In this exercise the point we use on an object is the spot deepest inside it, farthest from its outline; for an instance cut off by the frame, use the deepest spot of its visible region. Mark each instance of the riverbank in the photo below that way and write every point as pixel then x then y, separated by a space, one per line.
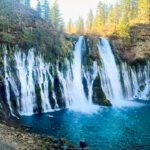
pixel 18 139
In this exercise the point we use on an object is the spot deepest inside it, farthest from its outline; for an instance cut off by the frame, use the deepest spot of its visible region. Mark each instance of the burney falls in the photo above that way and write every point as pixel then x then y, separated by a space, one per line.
pixel 74 75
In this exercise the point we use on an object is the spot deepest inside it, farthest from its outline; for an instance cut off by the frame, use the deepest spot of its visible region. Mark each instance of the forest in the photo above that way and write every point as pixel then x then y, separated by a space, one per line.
pixel 106 20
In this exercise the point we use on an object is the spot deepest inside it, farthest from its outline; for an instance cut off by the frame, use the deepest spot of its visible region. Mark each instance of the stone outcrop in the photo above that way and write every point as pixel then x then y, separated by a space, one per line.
pixel 137 47
pixel 98 94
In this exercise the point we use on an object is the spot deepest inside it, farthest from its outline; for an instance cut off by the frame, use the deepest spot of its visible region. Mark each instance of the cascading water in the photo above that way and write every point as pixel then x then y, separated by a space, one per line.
pixel 110 73
pixel 32 81
pixel 78 95
pixel 124 82
pixel 136 81
pixel 79 100
pixel 30 72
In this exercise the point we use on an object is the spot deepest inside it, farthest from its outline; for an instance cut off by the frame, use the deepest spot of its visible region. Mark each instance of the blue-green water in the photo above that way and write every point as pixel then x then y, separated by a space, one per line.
pixel 125 128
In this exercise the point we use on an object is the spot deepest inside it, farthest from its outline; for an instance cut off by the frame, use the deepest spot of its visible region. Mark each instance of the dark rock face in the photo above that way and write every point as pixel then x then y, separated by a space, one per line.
pixel 85 86
pixel 5 114
pixel 4 110
pixel 58 92
pixel 98 94
pixel 92 53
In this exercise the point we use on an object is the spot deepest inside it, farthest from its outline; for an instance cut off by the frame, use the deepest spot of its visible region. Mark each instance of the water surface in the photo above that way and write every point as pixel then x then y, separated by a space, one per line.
pixel 108 129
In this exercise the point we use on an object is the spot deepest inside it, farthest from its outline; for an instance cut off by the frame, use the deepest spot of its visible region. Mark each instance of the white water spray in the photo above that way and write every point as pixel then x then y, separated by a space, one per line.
pixel 111 72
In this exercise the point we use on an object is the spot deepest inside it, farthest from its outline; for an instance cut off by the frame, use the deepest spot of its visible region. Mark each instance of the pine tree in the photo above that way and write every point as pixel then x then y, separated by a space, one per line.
pixel 38 8
pixel 70 26
pixel 80 26
pixel 46 10
pixel 89 22
pixel 56 18
pixel 113 19
pixel 123 26
pixel 143 11
pixel 27 3
pixel 100 19
pixel 134 8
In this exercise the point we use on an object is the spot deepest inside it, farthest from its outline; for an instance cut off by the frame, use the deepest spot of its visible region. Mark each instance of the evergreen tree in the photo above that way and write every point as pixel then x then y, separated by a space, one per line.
pixel 113 19
pixel 123 26
pixel 56 18
pixel 46 10
pixel 38 8
pixel 80 26
pixel 134 8
pixel 100 19
pixel 89 22
pixel 70 26
pixel 27 3
pixel 143 11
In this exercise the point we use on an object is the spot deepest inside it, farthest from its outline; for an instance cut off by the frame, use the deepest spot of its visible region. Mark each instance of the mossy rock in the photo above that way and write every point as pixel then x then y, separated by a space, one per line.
pixel 92 53
pixel 98 94
pixel 142 88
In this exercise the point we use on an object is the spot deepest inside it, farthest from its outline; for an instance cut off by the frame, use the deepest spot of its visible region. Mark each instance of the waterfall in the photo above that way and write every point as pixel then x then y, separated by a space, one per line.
pixel 110 73
pixel 79 100
pixel 30 72
pixel 122 82
pixel 25 76
pixel 78 95
pixel 136 81
pixel 30 82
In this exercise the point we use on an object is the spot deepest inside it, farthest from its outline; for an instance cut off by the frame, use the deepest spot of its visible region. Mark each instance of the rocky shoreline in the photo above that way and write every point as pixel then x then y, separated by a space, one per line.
pixel 19 139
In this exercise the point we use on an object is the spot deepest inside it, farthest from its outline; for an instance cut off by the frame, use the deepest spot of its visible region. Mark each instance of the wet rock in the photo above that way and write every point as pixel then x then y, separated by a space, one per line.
pixel 98 94
pixel 83 144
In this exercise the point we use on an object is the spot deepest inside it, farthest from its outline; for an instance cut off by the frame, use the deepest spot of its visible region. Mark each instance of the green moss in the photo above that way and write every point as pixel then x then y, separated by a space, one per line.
pixel 98 94
pixel 6 37
pixel 142 87
pixel 92 53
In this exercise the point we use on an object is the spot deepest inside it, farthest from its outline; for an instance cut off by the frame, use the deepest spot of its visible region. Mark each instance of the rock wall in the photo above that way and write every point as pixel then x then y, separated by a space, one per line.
pixel 137 47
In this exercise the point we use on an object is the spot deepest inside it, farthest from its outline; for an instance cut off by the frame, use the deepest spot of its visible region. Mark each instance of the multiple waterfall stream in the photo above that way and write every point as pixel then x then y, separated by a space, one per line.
pixel 32 84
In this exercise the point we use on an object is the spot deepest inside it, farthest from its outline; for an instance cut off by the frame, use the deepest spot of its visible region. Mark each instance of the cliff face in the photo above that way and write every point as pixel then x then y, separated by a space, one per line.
pixel 21 28
pixel 137 48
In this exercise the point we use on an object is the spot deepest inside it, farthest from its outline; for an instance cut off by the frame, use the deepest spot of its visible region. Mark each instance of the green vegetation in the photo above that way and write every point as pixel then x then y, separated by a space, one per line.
pixel 6 37
pixel 25 28
pixel 92 53
pixel 89 22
